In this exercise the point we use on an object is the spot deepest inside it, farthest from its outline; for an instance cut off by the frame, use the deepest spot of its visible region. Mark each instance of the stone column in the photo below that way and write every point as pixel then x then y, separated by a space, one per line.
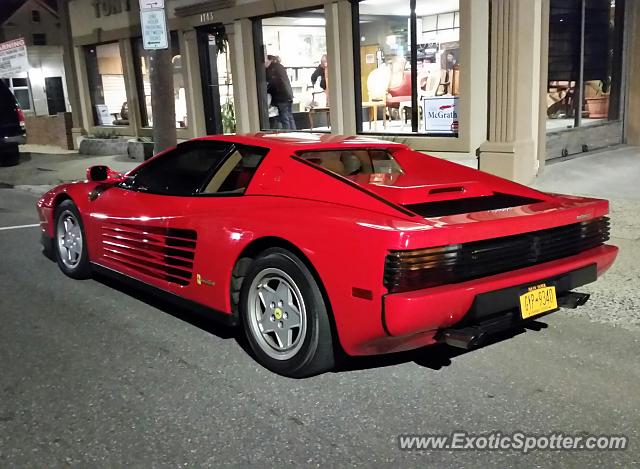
pixel 134 101
pixel 191 69
pixel 514 90
pixel 70 71
pixel 633 110
pixel 340 80
pixel 243 68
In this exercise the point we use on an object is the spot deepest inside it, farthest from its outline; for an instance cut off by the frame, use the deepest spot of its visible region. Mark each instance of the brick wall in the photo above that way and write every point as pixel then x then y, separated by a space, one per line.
pixel 50 130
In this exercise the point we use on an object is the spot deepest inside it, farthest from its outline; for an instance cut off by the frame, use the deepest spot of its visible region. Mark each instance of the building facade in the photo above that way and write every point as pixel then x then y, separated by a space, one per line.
pixel 505 84
pixel 40 89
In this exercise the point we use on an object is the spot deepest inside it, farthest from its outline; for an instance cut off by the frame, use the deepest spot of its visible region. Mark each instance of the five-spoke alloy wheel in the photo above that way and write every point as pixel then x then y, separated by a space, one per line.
pixel 277 313
pixel 69 241
pixel 285 317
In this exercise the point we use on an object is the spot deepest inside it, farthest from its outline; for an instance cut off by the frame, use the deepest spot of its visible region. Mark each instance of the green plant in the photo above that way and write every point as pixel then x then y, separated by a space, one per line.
pixel 228 117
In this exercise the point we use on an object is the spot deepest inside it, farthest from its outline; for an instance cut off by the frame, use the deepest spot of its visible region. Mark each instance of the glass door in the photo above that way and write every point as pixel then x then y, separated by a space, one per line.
pixel 584 82
pixel 216 78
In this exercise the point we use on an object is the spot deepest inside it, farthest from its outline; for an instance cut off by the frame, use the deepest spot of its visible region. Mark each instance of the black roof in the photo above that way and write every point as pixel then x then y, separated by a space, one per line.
pixel 8 7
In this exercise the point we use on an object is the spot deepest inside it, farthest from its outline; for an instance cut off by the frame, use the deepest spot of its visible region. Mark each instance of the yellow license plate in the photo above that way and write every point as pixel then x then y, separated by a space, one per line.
pixel 539 299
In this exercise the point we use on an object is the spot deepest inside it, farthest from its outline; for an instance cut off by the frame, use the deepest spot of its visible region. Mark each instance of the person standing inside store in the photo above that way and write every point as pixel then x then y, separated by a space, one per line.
pixel 279 87
pixel 320 72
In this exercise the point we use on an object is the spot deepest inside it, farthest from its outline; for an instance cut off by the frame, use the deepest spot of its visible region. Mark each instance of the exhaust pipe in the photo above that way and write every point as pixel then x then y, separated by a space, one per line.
pixel 474 336
pixel 467 338
pixel 572 299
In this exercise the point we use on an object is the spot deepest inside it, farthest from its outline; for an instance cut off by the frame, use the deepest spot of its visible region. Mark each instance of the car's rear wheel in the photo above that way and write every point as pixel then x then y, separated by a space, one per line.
pixel 69 242
pixel 9 155
pixel 285 317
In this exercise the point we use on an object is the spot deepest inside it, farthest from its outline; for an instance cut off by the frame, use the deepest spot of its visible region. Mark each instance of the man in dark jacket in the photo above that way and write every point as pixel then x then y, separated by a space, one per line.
pixel 320 72
pixel 279 87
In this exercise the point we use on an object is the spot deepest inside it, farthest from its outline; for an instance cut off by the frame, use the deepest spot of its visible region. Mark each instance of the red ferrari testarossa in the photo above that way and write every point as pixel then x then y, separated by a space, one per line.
pixel 317 242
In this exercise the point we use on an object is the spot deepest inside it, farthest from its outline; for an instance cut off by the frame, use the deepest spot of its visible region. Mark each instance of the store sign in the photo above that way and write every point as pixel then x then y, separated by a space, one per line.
pixel 104 116
pixel 13 58
pixel 440 114
pixel 110 7
pixel 213 9
pixel 154 29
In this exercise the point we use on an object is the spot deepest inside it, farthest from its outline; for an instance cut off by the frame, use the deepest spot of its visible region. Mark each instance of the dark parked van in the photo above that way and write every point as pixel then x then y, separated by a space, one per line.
pixel 12 129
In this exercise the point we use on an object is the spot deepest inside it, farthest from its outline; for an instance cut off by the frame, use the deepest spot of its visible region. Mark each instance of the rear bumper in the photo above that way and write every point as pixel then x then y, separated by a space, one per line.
pixel 14 139
pixel 417 312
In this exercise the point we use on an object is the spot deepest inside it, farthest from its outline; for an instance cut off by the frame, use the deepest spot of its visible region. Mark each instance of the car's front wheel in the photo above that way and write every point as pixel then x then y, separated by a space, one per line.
pixel 285 317
pixel 69 244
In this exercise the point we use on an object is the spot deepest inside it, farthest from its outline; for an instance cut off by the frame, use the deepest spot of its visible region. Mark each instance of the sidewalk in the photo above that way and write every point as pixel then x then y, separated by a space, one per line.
pixel 612 175
pixel 48 169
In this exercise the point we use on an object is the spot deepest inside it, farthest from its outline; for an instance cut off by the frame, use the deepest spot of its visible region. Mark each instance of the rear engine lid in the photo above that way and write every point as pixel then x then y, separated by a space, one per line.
pixel 439 199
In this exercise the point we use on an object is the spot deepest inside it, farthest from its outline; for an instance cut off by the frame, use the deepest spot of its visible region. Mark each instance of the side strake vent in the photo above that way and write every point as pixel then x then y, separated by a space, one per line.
pixel 469 205
pixel 163 253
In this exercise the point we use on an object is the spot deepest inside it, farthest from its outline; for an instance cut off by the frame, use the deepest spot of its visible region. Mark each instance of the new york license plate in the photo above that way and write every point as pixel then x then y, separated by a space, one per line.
pixel 537 300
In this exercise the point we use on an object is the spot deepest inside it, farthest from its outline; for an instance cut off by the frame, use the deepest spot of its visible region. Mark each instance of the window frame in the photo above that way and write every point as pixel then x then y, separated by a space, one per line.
pixel 138 55
pixel 259 55
pixel 233 147
pixel 42 39
pixel 460 135
pixel 10 84
pixel 89 79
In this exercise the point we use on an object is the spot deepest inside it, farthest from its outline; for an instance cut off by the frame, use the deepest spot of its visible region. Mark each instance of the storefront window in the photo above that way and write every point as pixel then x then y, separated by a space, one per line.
pixel 144 85
pixel 106 84
pixel 409 83
pixel 584 89
pixel 292 71
pixel 225 88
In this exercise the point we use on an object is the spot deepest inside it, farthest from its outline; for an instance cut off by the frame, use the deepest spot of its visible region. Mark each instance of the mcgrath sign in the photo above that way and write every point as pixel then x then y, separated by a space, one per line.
pixel 440 114
pixel 13 58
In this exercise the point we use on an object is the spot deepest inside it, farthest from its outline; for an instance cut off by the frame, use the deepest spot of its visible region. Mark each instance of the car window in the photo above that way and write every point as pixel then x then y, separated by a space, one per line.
pixel 198 168
pixel 354 162
pixel 234 175
pixel 182 171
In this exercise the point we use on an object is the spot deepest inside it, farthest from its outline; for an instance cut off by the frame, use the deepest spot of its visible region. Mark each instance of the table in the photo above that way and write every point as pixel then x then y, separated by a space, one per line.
pixel 315 110
pixel 374 105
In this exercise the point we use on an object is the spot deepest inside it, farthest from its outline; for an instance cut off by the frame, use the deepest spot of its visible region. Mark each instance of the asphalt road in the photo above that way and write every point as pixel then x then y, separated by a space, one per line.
pixel 95 374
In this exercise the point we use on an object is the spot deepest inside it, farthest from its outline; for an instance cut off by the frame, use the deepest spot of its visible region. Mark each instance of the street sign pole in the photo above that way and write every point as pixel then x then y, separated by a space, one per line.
pixel 157 40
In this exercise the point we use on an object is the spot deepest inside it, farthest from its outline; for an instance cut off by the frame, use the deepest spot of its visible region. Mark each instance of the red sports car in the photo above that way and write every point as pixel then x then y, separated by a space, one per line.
pixel 317 242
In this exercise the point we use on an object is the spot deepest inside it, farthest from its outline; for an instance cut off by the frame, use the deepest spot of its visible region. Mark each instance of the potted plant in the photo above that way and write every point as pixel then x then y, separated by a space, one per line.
pixel 597 100
pixel 228 117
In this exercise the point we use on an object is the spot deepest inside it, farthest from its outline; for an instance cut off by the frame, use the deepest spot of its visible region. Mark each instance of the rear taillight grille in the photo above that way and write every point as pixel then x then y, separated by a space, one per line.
pixel 423 268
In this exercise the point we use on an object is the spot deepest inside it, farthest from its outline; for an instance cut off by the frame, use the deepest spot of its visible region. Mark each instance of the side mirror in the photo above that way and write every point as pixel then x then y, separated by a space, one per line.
pixel 101 173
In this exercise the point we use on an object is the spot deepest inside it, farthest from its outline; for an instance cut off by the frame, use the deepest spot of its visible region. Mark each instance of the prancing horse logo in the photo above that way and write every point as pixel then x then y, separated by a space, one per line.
pixel 536 248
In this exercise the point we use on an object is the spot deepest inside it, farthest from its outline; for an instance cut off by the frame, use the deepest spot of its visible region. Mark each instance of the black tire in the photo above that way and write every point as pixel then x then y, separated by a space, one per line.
pixel 315 345
pixel 80 269
pixel 9 155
